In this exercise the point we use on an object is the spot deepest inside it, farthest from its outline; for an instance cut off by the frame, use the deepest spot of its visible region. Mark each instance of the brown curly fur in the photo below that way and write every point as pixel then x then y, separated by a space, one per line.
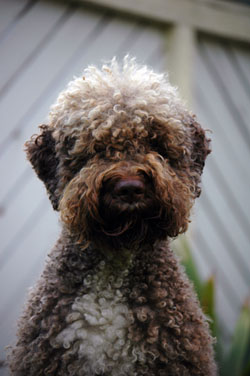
pixel 106 127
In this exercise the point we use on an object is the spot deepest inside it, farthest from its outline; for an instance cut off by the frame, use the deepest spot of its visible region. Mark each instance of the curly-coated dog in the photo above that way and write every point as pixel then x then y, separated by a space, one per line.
pixel 121 159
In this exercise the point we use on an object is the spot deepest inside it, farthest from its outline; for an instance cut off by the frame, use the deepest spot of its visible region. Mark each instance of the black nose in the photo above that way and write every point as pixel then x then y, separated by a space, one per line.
pixel 129 189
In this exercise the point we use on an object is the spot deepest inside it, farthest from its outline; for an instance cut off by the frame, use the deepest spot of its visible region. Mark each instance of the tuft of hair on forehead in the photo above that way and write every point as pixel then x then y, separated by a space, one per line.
pixel 115 92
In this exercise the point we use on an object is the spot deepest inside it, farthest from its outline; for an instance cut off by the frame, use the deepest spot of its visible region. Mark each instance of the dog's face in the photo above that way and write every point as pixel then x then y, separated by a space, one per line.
pixel 121 157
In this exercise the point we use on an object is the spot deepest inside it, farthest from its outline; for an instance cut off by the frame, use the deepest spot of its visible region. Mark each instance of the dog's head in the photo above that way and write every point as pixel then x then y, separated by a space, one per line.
pixel 121 157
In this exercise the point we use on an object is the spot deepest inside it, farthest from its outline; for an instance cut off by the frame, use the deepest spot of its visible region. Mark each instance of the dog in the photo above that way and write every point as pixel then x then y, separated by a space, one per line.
pixel 121 158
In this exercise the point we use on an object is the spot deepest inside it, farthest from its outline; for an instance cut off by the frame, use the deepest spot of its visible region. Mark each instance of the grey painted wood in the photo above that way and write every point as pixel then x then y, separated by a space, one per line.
pixel 45 68
pixel 224 127
pixel 34 30
pixel 10 13
pixel 241 55
pixel 181 44
pixel 223 209
pixel 212 16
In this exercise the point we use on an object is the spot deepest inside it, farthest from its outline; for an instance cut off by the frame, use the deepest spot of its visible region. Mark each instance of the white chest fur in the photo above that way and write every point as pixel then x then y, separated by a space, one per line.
pixel 97 328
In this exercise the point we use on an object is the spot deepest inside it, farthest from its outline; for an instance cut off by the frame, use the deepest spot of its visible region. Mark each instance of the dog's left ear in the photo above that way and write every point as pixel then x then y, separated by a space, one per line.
pixel 41 153
pixel 199 151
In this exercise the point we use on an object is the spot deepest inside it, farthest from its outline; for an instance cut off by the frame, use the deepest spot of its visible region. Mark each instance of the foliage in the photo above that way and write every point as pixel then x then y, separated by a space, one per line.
pixel 235 361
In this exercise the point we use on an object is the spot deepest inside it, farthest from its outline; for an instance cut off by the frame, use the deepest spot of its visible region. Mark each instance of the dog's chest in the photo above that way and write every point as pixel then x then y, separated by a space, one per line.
pixel 97 327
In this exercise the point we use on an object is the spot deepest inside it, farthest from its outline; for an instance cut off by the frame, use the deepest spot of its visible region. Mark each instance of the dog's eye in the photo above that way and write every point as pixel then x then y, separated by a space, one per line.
pixel 81 162
pixel 159 148
pixel 163 153
pixel 76 164
pixel 99 148
pixel 69 143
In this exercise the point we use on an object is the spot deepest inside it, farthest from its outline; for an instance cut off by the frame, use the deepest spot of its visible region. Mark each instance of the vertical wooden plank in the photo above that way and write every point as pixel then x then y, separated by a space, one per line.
pixel 180 47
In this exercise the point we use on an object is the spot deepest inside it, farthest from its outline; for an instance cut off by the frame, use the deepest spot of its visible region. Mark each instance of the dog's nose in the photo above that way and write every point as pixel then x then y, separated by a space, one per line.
pixel 129 189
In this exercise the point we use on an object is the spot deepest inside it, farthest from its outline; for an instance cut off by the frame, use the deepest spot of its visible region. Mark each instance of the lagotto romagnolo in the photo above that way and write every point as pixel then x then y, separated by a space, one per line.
pixel 121 158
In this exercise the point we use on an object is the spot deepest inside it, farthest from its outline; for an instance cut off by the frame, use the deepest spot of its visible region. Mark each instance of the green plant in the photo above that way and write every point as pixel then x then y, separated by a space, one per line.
pixel 236 360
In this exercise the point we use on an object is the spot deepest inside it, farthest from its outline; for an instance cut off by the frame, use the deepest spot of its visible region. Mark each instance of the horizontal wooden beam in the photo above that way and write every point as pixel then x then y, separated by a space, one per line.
pixel 221 18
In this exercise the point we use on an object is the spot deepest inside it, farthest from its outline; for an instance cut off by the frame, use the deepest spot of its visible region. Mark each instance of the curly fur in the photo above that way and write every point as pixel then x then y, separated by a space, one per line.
pixel 113 299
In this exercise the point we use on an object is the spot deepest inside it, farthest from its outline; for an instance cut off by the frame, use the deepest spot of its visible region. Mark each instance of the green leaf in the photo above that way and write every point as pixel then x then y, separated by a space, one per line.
pixel 246 371
pixel 188 262
pixel 205 291
pixel 208 301
pixel 235 361
pixel 208 304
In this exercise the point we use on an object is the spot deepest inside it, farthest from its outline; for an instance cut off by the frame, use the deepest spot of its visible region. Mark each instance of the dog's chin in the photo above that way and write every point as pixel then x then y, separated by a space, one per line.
pixel 129 225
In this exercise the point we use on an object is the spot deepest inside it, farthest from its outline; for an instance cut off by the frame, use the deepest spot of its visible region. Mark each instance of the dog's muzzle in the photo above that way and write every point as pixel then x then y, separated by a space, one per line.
pixel 130 189
pixel 127 193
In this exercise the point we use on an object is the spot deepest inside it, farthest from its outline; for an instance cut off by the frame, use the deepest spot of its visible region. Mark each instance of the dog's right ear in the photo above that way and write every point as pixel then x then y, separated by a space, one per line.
pixel 41 153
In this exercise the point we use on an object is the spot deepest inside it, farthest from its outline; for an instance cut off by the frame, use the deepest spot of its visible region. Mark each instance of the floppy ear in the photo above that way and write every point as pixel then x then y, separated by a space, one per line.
pixel 41 153
pixel 200 150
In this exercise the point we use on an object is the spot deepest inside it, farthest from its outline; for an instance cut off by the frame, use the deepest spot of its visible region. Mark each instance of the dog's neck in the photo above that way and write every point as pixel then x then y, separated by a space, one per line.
pixel 118 258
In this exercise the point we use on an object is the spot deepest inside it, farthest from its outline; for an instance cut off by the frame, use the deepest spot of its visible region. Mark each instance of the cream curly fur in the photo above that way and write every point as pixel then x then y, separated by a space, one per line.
pixel 100 103
pixel 99 321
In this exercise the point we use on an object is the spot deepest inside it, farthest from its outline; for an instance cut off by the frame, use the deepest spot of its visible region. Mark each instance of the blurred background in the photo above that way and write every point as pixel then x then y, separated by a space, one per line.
pixel 204 45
